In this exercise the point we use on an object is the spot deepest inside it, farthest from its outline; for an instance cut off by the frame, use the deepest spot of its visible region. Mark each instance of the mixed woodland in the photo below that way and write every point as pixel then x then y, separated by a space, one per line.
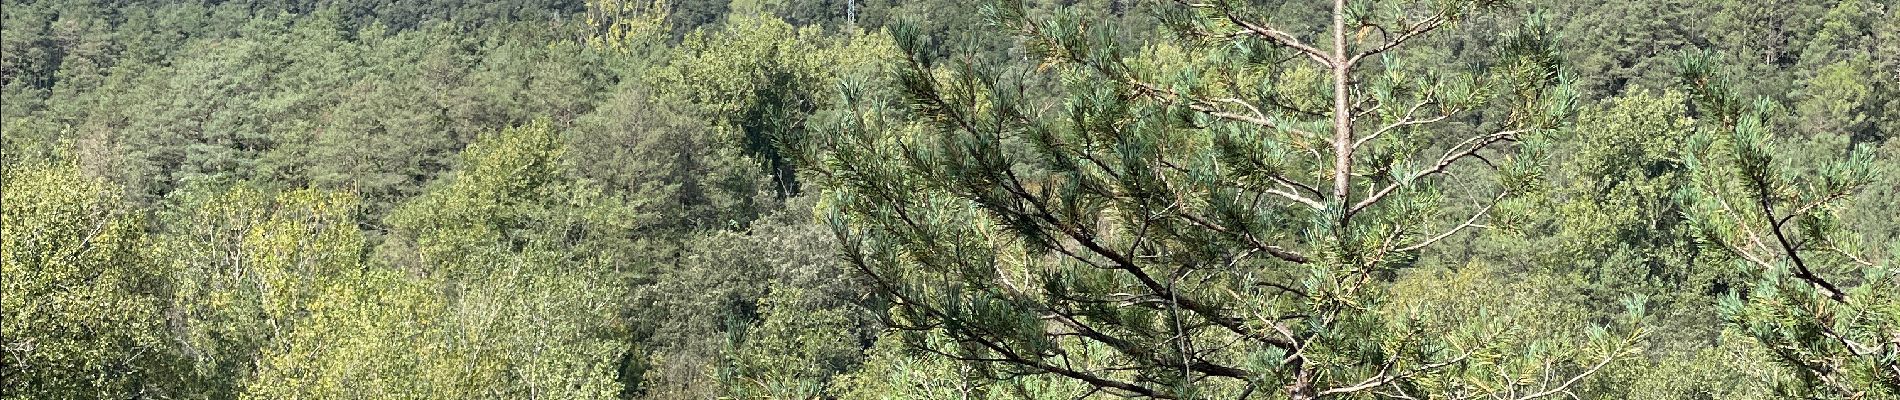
pixel 944 199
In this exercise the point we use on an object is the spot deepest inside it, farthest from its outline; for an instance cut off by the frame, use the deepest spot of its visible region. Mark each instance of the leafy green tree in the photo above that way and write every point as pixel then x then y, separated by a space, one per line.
pixel 377 333
pixel 891 371
pixel 469 299
pixel 529 263
pixel 687 16
pixel 1844 30
pixel 413 98
pixel 796 348
pixel 1607 210
pixel 218 126
pixel 386 136
pixel 247 267
pixel 760 79
pixel 84 303
pixel 216 113
pixel 696 311
pixel 1599 232
pixel 764 312
pixel 518 81
pixel 894 370
pixel 666 162
pixel 1765 37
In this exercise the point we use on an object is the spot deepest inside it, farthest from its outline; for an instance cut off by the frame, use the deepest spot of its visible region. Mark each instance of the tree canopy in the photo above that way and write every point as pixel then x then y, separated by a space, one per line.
pixel 934 199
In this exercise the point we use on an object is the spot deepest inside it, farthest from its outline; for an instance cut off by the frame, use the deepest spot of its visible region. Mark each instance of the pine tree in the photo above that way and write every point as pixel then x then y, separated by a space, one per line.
pixel 1813 299
pixel 1221 216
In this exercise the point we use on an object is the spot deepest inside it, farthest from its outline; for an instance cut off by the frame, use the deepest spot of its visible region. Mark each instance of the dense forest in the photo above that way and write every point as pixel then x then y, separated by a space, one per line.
pixel 943 199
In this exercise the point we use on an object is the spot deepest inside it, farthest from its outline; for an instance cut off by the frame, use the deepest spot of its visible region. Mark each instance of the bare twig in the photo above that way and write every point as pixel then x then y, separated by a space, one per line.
pixel 1411 32
pixel 1469 222
pixel 1463 149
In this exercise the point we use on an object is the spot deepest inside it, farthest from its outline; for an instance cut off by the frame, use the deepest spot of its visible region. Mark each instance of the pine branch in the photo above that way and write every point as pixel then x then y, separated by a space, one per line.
pixel 1271 34
pixel 1404 121
pixel 1469 222
pixel 1411 32
pixel 1467 148
pixel 1802 272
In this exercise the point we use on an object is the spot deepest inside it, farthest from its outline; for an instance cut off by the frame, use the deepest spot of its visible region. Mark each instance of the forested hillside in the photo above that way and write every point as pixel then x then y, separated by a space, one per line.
pixel 941 199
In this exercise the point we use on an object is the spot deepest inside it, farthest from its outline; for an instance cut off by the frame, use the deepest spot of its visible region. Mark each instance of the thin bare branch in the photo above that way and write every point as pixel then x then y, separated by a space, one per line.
pixel 1463 149
pixel 1469 222
pixel 1565 387
pixel 1383 377
pixel 1210 107
pixel 1411 32
pixel 1405 121
pixel 1275 251
pixel 1805 208
pixel 1271 34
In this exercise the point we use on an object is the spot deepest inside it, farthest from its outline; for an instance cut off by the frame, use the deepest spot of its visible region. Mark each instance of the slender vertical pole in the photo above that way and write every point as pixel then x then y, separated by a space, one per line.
pixel 1342 112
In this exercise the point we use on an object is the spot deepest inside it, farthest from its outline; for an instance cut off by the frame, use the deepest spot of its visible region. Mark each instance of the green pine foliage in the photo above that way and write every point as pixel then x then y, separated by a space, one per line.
pixel 1819 306
pixel 1175 227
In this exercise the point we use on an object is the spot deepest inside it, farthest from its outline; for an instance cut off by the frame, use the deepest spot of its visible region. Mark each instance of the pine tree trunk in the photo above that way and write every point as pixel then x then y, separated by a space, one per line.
pixel 1342 113
pixel 1302 386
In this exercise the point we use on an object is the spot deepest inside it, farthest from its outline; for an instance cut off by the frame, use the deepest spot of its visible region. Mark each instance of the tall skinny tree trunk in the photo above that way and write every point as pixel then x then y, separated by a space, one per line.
pixel 1342 113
